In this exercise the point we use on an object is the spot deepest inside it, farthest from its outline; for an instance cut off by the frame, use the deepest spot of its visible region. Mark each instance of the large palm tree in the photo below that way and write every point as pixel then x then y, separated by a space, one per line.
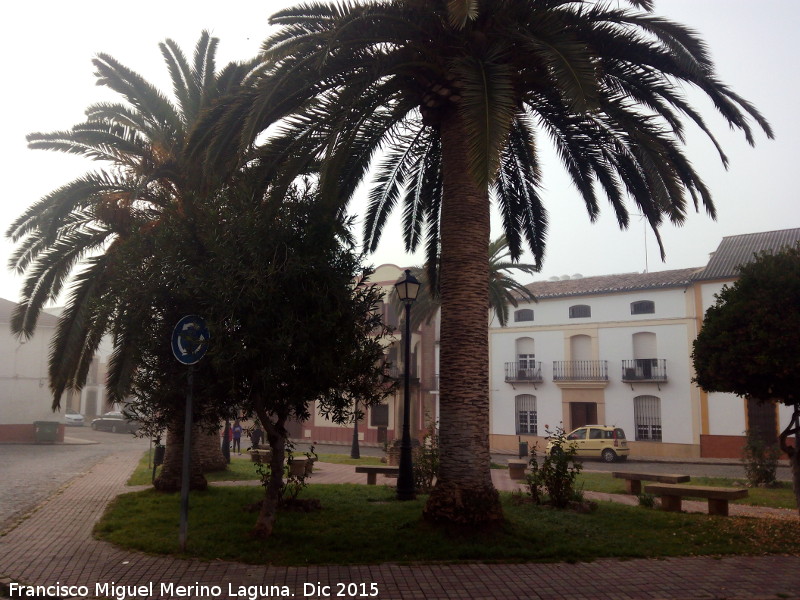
pixel 450 100
pixel 504 289
pixel 105 227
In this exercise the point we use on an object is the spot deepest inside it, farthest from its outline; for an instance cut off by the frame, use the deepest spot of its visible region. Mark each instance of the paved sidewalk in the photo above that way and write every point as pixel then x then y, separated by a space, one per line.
pixel 54 546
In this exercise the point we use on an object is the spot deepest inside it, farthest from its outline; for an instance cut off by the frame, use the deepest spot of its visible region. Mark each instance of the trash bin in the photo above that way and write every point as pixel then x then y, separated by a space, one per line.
pixel 523 449
pixel 158 455
pixel 46 431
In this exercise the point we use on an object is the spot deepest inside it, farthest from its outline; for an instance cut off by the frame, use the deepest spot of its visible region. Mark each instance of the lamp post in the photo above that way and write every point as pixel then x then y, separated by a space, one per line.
pixel 407 290
pixel 354 450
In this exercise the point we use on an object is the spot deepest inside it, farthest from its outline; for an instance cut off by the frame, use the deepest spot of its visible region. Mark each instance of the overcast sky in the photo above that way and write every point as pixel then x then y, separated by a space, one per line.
pixel 48 46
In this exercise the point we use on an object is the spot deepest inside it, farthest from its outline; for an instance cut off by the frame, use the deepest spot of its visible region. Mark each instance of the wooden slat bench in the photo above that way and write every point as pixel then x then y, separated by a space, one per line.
pixel 516 468
pixel 633 483
pixel 718 497
pixel 373 470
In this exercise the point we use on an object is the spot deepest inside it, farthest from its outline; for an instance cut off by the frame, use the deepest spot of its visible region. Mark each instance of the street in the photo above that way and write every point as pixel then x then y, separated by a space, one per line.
pixel 30 473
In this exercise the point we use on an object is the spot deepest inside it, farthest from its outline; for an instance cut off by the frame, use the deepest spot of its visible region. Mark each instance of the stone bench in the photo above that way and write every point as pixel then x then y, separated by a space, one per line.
pixel 301 466
pixel 671 496
pixel 372 472
pixel 633 483
pixel 516 468
pixel 260 455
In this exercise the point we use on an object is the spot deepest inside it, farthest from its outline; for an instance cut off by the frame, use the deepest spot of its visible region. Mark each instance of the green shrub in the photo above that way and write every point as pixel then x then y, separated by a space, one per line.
pixel 426 461
pixel 554 481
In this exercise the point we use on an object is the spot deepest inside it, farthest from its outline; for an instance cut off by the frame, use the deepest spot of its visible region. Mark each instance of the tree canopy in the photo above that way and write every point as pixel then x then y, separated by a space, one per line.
pixel 749 344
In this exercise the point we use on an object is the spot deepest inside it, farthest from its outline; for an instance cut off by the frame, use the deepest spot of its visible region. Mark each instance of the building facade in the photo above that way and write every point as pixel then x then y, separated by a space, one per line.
pixel 616 350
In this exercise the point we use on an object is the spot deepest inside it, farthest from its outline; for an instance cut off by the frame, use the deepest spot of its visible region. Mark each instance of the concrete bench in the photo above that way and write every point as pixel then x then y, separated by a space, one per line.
pixel 302 466
pixel 633 483
pixel 718 497
pixel 516 468
pixel 373 470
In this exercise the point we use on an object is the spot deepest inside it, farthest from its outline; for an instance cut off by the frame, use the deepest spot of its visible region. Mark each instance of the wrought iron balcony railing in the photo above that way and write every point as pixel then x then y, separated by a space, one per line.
pixel 529 372
pixel 644 369
pixel 580 370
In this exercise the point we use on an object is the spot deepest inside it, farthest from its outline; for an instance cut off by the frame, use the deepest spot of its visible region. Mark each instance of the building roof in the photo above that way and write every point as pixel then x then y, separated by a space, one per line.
pixel 603 284
pixel 7 309
pixel 736 250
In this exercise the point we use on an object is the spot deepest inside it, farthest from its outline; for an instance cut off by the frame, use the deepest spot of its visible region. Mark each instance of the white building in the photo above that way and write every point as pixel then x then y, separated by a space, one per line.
pixel 616 350
pixel 24 385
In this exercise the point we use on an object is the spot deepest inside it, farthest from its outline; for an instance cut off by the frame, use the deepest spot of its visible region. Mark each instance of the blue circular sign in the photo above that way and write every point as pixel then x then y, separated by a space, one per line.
pixel 190 339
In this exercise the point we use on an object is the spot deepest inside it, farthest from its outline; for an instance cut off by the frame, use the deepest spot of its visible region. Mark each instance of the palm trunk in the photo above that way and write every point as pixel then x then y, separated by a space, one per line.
pixel 209 450
pixel 464 492
pixel 169 478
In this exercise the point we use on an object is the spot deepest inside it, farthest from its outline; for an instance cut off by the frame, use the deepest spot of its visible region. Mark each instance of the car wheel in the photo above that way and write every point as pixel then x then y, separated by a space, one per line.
pixel 113 429
pixel 609 455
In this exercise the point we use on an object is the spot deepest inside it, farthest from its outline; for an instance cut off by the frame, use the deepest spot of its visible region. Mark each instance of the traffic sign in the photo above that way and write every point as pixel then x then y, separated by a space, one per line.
pixel 190 339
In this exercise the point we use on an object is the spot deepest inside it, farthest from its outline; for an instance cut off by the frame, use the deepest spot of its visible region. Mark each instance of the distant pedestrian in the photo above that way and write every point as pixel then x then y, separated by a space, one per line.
pixel 256 436
pixel 237 436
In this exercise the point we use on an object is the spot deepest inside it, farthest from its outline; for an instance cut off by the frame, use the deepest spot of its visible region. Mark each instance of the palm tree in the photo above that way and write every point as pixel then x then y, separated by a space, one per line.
pixel 504 290
pixel 106 226
pixel 449 100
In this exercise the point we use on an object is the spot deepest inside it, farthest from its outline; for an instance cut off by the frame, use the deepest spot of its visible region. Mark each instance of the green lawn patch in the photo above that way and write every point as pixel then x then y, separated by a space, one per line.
pixel 366 525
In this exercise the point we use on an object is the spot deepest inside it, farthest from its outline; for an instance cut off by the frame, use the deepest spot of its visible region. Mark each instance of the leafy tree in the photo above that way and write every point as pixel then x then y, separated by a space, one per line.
pixel 750 341
pixel 448 100
pixel 296 326
pixel 97 228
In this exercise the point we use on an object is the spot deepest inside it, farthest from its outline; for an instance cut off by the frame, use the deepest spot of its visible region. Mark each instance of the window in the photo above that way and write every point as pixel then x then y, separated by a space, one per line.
pixel 379 415
pixel 643 307
pixel 523 314
pixel 526 414
pixel 580 311
pixel 647 415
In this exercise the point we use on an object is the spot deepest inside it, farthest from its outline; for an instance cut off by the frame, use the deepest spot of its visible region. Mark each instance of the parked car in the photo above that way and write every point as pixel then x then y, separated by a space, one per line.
pixel 597 441
pixel 115 422
pixel 73 419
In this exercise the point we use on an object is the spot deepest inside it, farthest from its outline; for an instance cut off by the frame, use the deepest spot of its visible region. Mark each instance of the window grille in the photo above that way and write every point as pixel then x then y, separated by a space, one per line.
pixel 643 307
pixel 523 314
pixel 526 414
pixel 580 311
pixel 647 415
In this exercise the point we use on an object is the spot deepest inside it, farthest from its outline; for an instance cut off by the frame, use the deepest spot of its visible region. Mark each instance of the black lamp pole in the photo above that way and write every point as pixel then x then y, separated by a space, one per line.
pixel 407 291
pixel 355 452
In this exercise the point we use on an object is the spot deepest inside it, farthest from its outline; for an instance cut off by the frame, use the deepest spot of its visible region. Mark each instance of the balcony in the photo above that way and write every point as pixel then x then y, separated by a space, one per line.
pixel 580 370
pixel 397 372
pixel 526 372
pixel 644 370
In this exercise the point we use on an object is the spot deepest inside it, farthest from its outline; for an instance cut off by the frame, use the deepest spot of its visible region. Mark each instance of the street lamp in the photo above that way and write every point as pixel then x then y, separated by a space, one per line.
pixel 407 290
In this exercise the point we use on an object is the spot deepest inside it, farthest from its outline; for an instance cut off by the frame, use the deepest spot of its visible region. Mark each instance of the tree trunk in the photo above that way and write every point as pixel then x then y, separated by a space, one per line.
pixel 276 436
pixel 464 492
pixel 793 452
pixel 209 450
pixel 169 478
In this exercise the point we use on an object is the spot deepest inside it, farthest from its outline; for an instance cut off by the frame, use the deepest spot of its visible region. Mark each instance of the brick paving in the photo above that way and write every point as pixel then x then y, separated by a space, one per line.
pixel 54 545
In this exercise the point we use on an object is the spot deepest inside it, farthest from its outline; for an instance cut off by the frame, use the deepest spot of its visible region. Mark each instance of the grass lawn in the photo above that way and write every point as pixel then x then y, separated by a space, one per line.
pixel 365 525
pixel 780 496
pixel 242 468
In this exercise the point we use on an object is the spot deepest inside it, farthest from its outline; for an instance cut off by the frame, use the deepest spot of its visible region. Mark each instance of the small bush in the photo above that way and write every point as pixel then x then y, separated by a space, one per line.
pixel 426 461
pixel 760 461
pixel 647 500
pixel 554 481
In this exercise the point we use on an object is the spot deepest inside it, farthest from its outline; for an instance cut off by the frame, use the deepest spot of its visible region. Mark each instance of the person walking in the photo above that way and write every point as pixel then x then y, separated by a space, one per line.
pixel 237 436
pixel 256 436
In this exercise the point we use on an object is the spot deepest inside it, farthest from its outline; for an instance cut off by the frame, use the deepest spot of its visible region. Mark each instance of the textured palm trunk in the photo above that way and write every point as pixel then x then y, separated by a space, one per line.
pixel 208 448
pixel 169 478
pixel 464 492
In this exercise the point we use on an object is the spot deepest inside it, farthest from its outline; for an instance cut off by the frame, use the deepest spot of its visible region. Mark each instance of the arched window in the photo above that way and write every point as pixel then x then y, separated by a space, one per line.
pixel 580 311
pixel 643 307
pixel 647 415
pixel 523 314
pixel 525 408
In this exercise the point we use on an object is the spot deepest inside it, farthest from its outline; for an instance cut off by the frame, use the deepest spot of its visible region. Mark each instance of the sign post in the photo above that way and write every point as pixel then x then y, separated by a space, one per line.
pixel 189 344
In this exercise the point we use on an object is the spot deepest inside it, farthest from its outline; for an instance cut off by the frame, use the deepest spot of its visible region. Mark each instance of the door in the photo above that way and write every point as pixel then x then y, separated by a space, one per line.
pixel 578 439
pixel 582 413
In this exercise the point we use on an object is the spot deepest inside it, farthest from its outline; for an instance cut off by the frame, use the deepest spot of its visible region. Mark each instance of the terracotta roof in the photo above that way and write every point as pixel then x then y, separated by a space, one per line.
pixel 735 250
pixel 603 284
